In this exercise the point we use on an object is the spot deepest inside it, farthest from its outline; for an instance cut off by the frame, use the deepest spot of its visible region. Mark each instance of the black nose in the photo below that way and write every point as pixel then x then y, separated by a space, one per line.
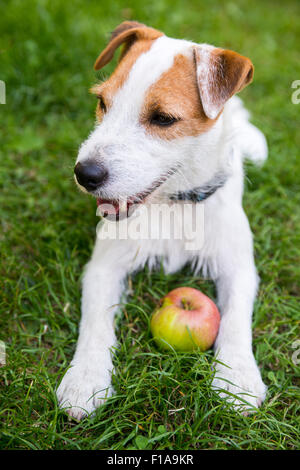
pixel 90 174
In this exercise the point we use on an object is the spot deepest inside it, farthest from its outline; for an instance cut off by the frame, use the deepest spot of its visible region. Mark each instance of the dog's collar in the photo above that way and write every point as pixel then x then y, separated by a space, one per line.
pixel 200 193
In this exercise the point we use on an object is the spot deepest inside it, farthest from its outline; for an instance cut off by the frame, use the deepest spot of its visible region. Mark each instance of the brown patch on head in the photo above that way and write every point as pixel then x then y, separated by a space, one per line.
pixel 136 39
pixel 110 87
pixel 176 94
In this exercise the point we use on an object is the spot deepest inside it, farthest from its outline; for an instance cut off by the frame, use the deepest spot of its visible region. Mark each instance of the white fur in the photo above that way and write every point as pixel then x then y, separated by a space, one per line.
pixel 135 160
pixel 205 74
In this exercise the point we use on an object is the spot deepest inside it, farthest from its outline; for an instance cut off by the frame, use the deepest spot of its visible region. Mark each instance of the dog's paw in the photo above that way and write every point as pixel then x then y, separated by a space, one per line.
pixel 237 379
pixel 83 389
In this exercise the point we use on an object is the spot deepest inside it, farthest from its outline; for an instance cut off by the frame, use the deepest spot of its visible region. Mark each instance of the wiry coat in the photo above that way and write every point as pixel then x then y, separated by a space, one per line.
pixel 195 84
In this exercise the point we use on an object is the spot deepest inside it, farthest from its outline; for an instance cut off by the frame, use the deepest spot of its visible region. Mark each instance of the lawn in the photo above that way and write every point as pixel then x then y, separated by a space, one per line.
pixel 47 51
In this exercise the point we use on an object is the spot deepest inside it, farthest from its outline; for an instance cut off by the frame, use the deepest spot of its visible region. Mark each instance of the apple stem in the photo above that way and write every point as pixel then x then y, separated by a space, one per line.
pixel 186 304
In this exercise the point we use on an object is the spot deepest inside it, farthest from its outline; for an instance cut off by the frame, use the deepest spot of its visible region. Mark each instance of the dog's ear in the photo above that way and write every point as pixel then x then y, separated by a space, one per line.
pixel 126 33
pixel 220 74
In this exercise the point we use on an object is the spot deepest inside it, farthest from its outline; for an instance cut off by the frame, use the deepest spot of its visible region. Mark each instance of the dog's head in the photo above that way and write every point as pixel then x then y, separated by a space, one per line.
pixel 159 114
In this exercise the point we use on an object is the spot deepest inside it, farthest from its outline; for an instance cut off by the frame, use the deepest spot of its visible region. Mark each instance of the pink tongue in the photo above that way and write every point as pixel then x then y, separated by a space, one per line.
pixel 108 207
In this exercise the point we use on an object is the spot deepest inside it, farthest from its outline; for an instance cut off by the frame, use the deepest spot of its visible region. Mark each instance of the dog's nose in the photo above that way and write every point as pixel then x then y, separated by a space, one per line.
pixel 90 174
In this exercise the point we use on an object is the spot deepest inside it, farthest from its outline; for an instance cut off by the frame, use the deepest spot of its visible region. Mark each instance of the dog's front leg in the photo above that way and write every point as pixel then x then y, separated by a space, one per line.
pixel 236 373
pixel 87 382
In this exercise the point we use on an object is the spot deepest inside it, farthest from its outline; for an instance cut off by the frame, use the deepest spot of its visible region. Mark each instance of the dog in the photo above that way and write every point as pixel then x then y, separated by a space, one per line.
pixel 168 130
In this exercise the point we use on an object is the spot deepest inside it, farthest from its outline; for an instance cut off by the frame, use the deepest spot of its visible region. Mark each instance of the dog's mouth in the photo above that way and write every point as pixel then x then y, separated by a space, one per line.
pixel 114 209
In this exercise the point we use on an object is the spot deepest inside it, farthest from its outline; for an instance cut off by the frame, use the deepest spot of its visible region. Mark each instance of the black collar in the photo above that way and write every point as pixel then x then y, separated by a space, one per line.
pixel 202 192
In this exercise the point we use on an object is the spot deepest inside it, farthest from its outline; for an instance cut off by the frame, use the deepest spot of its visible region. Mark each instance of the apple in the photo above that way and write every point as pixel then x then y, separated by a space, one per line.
pixel 186 320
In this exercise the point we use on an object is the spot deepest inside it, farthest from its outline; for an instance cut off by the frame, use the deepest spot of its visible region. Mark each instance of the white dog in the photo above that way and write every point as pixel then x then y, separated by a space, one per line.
pixel 168 131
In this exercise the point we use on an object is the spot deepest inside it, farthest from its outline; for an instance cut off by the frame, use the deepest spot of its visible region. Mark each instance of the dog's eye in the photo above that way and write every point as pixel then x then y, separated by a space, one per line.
pixel 102 104
pixel 160 119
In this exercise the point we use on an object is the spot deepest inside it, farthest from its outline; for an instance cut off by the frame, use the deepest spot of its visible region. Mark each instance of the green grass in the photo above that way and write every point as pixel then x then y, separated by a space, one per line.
pixel 47 50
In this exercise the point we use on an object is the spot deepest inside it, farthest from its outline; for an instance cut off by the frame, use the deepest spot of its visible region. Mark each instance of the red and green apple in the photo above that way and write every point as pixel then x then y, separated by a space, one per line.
pixel 186 320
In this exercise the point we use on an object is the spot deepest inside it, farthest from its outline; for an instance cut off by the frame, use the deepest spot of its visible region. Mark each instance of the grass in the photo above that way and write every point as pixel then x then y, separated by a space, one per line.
pixel 47 50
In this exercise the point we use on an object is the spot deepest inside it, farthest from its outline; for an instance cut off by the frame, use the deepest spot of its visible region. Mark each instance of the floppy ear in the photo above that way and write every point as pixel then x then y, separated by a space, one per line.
pixel 220 74
pixel 126 33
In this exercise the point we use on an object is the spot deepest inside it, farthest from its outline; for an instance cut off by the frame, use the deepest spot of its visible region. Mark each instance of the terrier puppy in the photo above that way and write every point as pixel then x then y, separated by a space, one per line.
pixel 169 131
